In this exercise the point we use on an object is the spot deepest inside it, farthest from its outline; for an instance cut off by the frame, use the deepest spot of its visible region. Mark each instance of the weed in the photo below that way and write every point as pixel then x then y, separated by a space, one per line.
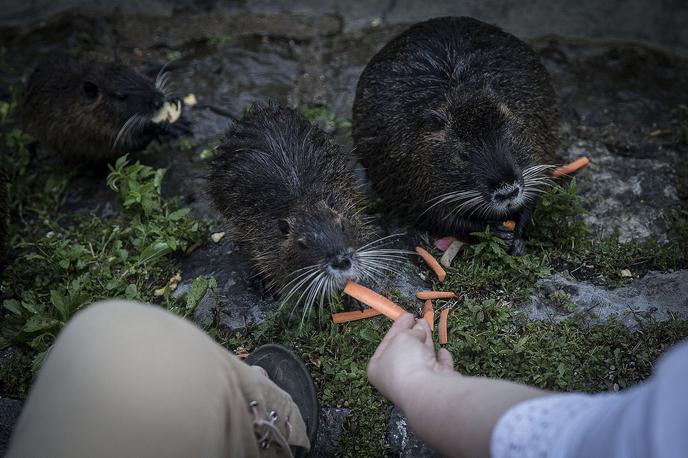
pixel 321 115
pixel 217 41
pixel 58 273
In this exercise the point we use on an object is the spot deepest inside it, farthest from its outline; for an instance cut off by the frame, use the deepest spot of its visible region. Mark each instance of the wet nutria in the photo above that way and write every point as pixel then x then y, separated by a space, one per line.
pixel 289 192
pixel 94 110
pixel 453 119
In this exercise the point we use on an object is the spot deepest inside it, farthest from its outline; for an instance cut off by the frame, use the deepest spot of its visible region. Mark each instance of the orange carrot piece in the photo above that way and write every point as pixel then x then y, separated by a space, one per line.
pixel 425 295
pixel 432 263
pixel 443 327
pixel 511 225
pixel 374 300
pixel 429 314
pixel 345 317
pixel 570 168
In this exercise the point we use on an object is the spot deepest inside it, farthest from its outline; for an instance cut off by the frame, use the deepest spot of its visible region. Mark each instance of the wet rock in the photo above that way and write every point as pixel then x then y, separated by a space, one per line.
pixel 625 196
pixel 403 442
pixel 656 296
pixel 150 31
pixel 9 414
pixel 330 427
pixel 238 302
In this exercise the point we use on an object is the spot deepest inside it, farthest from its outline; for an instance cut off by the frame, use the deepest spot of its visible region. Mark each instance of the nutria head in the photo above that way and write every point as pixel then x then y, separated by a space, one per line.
pixel 129 100
pixel 488 168
pixel 91 109
pixel 291 194
pixel 316 237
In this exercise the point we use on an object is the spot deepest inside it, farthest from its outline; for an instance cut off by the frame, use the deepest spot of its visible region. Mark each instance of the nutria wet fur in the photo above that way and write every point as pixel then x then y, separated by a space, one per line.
pixel 453 120
pixel 289 192
pixel 88 109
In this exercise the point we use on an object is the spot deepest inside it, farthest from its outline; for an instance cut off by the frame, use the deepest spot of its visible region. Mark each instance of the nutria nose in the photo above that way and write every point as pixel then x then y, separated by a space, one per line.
pixel 506 194
pixel 341 262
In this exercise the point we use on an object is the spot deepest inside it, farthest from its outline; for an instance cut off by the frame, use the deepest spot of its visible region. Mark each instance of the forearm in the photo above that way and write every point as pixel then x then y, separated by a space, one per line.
pixel 455 414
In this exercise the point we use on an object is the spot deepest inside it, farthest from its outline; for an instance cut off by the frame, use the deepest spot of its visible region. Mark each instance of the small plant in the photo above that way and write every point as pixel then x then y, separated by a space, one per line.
pixel 486 268
pixel 217 41
pixel 557 220
pixel 60 272
pixel 321 115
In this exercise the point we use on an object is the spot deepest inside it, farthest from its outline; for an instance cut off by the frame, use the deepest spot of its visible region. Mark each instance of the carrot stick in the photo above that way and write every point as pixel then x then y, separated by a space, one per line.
pixel 443 326
pixel 432 263
pixel 425 295
pixel 511 225
pixel 429 314
pixel 345 317
pixel 374 300
pixel 570 168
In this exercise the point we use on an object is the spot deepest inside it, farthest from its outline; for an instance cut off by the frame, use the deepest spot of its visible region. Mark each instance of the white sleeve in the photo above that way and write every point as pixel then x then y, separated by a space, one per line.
pixel 532 428
pixel 650 419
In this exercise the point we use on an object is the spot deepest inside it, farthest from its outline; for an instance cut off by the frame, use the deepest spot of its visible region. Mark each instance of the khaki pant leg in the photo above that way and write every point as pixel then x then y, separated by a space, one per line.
pixel 131 380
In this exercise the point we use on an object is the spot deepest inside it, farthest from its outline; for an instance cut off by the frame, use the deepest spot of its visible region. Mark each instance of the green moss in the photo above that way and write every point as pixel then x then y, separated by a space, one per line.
pixel 320 113
pixel 493 340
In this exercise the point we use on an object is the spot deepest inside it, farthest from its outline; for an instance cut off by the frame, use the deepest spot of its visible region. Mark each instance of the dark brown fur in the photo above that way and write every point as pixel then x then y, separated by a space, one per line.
pixel 78 106
pixel 290 193
pixel 455 109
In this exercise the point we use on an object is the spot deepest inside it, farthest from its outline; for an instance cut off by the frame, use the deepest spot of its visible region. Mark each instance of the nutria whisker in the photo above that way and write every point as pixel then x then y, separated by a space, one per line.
pixel 384 239
pixel 129 128
pixel 309 269
pixel 305 284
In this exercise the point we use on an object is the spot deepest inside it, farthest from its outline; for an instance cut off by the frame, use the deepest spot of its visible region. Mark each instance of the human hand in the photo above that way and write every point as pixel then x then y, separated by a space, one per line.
pixel 405 359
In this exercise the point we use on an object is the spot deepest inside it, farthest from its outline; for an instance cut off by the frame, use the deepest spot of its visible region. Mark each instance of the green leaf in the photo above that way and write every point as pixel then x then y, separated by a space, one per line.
pixel 179 214
pixel 40 323
pixel 60 304
pixel 131 292
pixel 13 306
pixel 196 292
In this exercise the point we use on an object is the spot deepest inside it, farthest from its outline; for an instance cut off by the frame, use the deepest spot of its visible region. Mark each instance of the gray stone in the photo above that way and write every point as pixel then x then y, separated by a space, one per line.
pixel 403 441
pixel 9 414
pixel 330 427
pixel 656 296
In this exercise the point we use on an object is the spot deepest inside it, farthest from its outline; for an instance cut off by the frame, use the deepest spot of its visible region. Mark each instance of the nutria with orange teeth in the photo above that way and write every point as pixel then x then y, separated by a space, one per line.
pixel 453 120
pixel 290 194
pixel 92 110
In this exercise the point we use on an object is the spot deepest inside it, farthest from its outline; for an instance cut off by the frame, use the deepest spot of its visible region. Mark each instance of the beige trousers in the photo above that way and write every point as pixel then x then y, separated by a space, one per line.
pixel 131 380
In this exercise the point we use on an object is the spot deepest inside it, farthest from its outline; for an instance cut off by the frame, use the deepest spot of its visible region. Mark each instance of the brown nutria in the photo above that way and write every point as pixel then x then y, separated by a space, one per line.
pixel 291 195
pixel 89 109
pixel 453 119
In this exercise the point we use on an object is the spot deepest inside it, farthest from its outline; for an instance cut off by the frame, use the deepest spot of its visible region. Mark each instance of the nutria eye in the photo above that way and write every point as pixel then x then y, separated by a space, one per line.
pixel 301 243
pixel 90 89
pixel 283 226
pixel 120 96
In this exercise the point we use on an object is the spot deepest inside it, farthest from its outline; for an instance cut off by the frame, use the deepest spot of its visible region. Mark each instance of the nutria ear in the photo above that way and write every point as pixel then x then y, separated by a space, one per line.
pixel 283 225
pixel 90 89
pixel 434 120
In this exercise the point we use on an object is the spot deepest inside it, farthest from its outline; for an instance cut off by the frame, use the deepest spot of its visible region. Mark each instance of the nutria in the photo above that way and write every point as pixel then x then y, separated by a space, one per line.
pixel 88 109
pixel 453 119
pixel 292 198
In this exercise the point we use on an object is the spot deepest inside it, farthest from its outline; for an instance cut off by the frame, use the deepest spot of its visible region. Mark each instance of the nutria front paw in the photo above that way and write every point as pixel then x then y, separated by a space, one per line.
pixel 518 248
